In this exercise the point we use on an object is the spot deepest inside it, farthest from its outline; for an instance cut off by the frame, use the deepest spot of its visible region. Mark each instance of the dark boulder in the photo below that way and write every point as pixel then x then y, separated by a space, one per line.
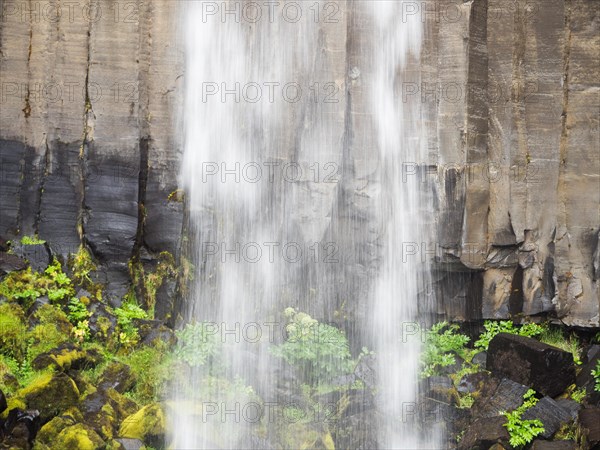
pixel 570 406
pixel 551 415
pixel 506 397
pixel 589 419
pixel 480 359
pixel 130 444
pixel 473 382
pixel 38 255
pixel 11 263
pixel 585 378
pixel 483 433
pixel 51 394
pixel 365 371
pixel 67 357
pixel 153 332
pixel 439 388
pixel 538 444
pixel 102 322
pixel 20 428
pixel 117 376
pixel 547 369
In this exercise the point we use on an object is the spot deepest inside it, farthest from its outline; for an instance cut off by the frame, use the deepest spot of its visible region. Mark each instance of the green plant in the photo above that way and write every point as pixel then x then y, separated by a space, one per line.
pixel 492 328
pixel 32 240
pixel 320 351
pixel 596 375
pixel 82 264
pixel 126 313
pixel 442 342
pixel 13 331
pixel 196 343
pixel 556 337
pixel 78 315
pixel 578 395
pixel 523 431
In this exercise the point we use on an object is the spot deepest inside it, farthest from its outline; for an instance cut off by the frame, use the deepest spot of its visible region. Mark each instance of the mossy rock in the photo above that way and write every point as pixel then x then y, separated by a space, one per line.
pixel 148 425
pixel 117 376
pixel 80 437
pixel 66 357
pixel 51 394
pixel 13 403
pixel 122 406
pixel 50 431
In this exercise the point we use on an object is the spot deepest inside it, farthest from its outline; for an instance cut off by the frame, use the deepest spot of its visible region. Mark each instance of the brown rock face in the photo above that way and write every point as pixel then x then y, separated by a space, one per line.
pixel 90 150
pixel 548 370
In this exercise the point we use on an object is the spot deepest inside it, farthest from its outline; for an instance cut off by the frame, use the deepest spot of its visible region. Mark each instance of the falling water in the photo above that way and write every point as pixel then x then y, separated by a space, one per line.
pixel 260 138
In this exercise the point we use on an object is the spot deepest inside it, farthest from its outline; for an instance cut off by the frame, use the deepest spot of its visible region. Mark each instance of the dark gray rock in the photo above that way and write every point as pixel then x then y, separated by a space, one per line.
pixel 585 378
pixel 38 255
pixel 507 396
pixel 589 419
pixel 538 444
pixel 483 433
pixel 551 415
pixel 480 359
pixel 365 371
pixel 548 370
pixel 130 444
pixel 165 300
pixel 570 406
pixel 117 376
pixel 472 382
pixel 11 155
pixel 11 263
pixel 60 202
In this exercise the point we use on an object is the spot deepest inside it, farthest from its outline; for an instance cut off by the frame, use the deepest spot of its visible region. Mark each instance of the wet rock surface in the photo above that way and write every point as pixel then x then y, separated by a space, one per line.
pixel 547 369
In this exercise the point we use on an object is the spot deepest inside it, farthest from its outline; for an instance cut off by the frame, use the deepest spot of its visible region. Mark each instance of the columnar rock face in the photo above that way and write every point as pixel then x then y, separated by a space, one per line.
pixel 90 151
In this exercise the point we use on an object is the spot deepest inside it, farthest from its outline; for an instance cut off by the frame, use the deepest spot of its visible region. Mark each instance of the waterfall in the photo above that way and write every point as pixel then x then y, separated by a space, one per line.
pixel 264 133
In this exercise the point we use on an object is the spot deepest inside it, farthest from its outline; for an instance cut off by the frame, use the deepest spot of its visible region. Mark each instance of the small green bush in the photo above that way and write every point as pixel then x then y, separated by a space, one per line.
pixel 596 375
pixel 32 240
pixel 492 328
pixel 522 432
pixel 442 342
pixel 320 351
pixel 196 343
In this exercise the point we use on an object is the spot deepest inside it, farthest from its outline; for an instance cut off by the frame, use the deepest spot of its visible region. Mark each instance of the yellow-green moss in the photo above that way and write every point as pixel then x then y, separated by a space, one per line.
pixel 13 331
pixel 12 403
pixel 148 421
pixel 80 437
pixel 50 394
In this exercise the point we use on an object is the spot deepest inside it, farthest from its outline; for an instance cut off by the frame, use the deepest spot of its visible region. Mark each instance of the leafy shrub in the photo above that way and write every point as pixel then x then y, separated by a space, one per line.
pixel 318 350
pixel 578 395
pixel 196 343
pixel 78 316
pixel 522 431
pixel 596 375
pixel 129 310
pixel 26 285
pixel 442 342
pixel 153 369
pixel 492 328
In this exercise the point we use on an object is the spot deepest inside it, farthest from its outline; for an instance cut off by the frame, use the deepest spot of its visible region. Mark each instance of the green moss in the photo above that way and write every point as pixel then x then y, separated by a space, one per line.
pixel 147 424
pixel 32 240
pixel 50 394
pixel 80 437
pixel 13 331
pixel 152 368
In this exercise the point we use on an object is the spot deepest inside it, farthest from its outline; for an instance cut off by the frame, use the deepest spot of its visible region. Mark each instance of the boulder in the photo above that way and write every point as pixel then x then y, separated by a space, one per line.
pixel 130 444
pixel 551 415
pixel 78 436
pixel 38 255
pixel 20 428
pixel 480 359
pixel 473 382
pixel 483 433
pixel 11 263
pixel 589 419
pixel 102 322
pixel 585 378
pixel 51 394
pixel 570 406
pixel 147 425
pixel 506 397
pixel 67 356
pixel 439 388
pixel 547 369
pixel 538 444
pixel 117 376
pixel 50 431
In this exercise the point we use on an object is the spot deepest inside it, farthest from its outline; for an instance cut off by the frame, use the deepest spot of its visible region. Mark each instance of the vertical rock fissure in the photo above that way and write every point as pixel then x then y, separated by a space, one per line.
pixel 83 150
pixel 565 105
pixel 45 171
